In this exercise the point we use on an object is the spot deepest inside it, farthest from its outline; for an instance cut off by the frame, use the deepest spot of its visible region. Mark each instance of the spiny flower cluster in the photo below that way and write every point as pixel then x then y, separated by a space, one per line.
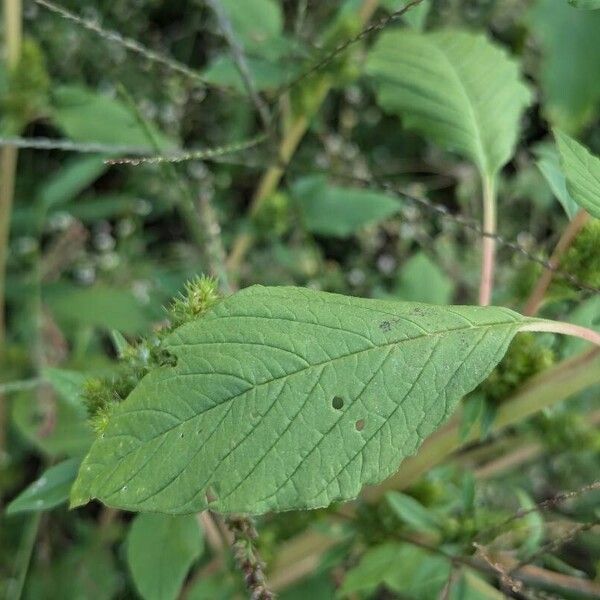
pixel 101 395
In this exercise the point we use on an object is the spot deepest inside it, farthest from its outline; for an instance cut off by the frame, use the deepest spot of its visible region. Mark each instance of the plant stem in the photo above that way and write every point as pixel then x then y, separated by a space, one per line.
pixel 488 260
pixel 563 328
pixel 20 386
pixel 292 138
pixel 536 298
pixel 8 170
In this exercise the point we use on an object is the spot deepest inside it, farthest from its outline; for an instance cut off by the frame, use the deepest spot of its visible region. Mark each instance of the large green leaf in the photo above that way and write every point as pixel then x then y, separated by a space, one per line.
pixel 286 398
pixel 457 88
pixel 582 170
pixel 160 552
pixel 569 62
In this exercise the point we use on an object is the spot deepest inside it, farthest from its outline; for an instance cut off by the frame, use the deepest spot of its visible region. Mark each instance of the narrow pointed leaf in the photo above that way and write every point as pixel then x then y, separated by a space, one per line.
pixel 286 398
pixel 582 170
pixel 457 88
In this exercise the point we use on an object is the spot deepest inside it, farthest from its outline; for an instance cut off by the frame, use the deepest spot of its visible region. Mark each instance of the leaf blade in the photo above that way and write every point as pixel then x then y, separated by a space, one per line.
pixel 255 390
pixel 471 107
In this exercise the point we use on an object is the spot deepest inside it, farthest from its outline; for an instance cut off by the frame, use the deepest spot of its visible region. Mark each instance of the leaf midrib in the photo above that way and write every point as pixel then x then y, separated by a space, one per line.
pixel 303 369
pixel 470 107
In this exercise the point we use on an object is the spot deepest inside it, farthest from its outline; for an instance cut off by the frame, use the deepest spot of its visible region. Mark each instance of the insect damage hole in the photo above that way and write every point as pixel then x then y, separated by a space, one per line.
pixel 337 403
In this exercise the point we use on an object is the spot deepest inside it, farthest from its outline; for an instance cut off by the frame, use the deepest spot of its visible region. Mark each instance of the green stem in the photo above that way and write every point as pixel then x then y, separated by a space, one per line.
pixel 488 260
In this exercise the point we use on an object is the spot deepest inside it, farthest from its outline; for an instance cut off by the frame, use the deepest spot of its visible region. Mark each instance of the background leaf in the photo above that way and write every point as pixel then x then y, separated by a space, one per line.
pixel 402 568
pixel 287 398
pixel 339 211
pixel 87 116
pixel 160 551
pixel 457 88
pixel 50 490
pixel 570 62
pixel 582 170
pixel 421 280
pixel 548 163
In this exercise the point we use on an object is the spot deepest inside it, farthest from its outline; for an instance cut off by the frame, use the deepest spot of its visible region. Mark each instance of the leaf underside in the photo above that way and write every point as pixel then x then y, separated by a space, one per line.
pixel 457 88
pixel 286 398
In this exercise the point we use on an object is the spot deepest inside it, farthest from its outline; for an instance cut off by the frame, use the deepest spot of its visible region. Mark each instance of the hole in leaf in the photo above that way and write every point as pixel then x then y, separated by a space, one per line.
pixel 337 403
pixel 360 425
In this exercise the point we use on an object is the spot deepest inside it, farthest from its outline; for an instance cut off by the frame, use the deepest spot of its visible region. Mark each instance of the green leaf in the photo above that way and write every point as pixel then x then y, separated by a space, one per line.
pixel 266 74
pixel 339 211
pixel 457 88
pixel 70 181
pixel 69 384
pixel 569 62
pixel 84 571
pixel 413 513
pixel 288 398
pixel 87 116
pixel 421 280
pixel 585 4
pixel 402 568
pixel 160 551
pixel 534 523
pixel 99 306
pixel 60 426
pixel 548 162
pixel 582 170
pixel 256 23
pixel 50 490
pixel 415 16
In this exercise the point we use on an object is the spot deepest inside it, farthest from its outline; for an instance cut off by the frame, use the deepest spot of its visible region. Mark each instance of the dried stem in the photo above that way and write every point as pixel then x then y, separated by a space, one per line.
pixel 8 170
pixel 536 298
pixel 488 260
pixel 247 557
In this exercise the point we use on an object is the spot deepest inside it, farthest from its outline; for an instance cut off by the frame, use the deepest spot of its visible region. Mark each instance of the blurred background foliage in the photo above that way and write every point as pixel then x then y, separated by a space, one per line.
pixel 96 248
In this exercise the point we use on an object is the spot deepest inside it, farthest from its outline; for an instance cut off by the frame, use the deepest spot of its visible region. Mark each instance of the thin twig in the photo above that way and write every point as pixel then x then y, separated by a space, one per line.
pixel 185 156
pixel 239 59
pixel 364 14
pixel 570 233
pixel 129 44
